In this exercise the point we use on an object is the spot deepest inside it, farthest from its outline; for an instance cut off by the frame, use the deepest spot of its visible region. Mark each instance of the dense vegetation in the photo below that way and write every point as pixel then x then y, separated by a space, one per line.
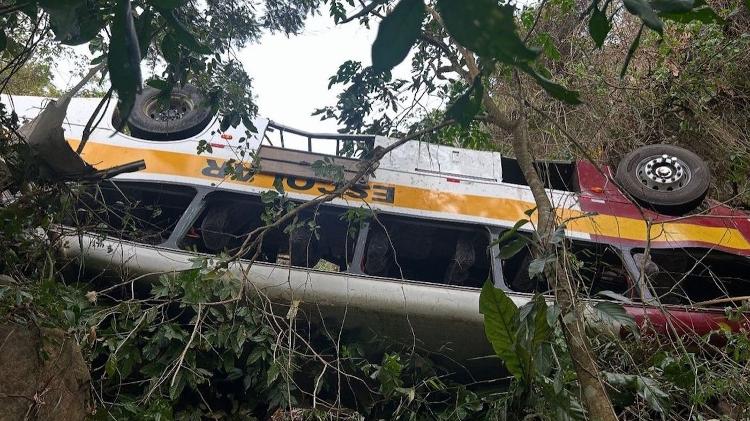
pixel 196 346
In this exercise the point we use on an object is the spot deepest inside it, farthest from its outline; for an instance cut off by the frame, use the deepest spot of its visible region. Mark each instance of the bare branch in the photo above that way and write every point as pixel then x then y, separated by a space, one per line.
pixel 365 11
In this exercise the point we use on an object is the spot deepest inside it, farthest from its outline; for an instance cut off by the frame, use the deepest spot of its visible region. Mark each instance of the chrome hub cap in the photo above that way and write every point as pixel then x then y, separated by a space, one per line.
pixel 663 172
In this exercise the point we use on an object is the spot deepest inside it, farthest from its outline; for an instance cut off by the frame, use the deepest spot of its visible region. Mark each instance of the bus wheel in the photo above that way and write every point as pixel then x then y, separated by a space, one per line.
pixel 666 178
pixel 182 115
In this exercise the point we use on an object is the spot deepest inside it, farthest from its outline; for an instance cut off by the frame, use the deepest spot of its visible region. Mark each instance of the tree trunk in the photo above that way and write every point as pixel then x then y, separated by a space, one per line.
pixel 593 393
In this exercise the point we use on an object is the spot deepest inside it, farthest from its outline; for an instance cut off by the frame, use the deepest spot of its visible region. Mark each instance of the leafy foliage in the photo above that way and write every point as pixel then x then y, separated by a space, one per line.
pixel 149 345
pixel 194 39
pixel 396 35
pixel 187 348
pixel 467 105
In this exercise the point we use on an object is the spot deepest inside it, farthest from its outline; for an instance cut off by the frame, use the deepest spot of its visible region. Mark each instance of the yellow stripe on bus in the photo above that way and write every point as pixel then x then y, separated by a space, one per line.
pixel 188 165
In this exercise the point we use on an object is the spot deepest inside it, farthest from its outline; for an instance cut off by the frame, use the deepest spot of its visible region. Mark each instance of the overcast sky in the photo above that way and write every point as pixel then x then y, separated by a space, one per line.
pixel 290 74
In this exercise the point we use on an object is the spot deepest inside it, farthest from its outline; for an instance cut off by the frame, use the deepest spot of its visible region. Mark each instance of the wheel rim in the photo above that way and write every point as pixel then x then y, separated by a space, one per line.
pixel 174 110
pixel 663 172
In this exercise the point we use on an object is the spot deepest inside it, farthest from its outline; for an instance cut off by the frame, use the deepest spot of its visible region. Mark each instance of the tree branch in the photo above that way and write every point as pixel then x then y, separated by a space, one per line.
pixel 364 12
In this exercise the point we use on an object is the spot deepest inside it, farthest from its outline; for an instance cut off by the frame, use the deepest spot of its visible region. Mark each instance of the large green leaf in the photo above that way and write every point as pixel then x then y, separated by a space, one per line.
pixel 145 29
pixel 701 14
pixel 672 5
pixel 513 247
pixel 532 339
pixel 599 26
pixel 501 326
pixel 643 10
pixel 537 320
pixel 511 233
pixel 556 90
pixel 685 11
pixel 467 105
pixel 614 314
pixel 74 22
pixel 396 34
pixel 169 49
pixel 124 58
pixel 486 28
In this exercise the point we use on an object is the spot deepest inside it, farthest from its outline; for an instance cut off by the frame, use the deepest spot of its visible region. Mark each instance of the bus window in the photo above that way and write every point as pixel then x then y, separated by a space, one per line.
pixel 137 211
pixel 596 267
pixel 693 275
pixel 428 251
pixel 319 239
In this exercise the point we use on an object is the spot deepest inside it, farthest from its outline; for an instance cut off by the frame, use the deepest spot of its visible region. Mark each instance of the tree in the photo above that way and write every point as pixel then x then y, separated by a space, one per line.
pixel 481 44
pixel 463 52
pixel 34 78
pixel 184 41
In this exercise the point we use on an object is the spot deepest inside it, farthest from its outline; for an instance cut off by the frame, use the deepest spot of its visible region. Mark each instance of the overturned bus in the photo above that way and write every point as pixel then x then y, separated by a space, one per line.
pixel 405 251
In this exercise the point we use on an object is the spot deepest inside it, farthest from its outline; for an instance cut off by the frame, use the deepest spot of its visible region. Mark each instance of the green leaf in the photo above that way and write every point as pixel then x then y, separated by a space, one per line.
pixel 110 367
pixel 614 314
pixel 124 59
pixel 671 6
pixel 679 372
pixel 685 11
pixel 169 49
pixel 537 322
pixel 536 267
pixel 615 296
pixel 74 22
pixel 467 105
pixel 159 84
pixel 486 28
pixel 3 40
pixel 176 387
pixel 702 14
pixel 181 34
pixel 145 29
pixel 631 52
pixel 511 233
pixel 553 312
pixel 547 44
pixel 643 10
pixel 564 404
pixel 511 249
pixel 599 26
pixel 501 326
pixel 556 90
pixel 396 34
pixel 647 388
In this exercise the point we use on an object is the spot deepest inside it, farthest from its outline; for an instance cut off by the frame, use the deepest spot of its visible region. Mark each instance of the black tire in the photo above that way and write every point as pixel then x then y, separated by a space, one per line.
pixel 673 185
pixel 186 116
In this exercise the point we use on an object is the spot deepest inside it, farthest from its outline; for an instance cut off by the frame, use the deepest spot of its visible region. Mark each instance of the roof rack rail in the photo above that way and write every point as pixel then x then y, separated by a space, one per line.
pixel 368 140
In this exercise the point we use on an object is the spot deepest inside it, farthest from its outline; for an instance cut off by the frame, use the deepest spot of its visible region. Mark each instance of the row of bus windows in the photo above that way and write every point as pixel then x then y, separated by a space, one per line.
pixel 401 247
pixel 326 238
